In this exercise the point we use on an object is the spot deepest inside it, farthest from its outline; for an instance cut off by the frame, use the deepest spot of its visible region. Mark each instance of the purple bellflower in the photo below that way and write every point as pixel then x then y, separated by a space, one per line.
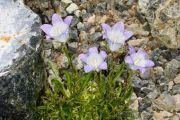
pixel 59 30
pixel 116 36
pixel 138 60
pixel 94 60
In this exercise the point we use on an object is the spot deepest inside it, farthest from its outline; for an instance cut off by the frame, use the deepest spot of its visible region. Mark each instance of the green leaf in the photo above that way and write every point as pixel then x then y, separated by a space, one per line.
pixel 55 70
pixel 59 87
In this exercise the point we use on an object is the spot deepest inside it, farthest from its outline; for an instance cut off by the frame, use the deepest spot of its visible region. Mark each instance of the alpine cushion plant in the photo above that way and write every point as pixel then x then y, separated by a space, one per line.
pixel 59 30
pixel 116 36
pixel 94 60
pixel 138 60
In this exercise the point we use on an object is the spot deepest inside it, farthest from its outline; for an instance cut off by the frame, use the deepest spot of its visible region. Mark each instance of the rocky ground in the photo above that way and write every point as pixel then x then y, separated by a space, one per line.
pixel 157 92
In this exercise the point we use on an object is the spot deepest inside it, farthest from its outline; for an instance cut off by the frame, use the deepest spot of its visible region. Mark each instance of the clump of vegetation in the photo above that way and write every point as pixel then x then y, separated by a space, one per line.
pixel 86 96
pixel 100 91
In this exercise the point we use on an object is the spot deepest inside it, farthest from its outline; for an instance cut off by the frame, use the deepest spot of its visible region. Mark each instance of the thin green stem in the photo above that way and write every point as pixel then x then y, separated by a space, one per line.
pixel 65 48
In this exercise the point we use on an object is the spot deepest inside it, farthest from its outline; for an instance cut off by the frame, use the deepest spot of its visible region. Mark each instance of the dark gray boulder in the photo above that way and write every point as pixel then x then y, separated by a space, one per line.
pixel 21 65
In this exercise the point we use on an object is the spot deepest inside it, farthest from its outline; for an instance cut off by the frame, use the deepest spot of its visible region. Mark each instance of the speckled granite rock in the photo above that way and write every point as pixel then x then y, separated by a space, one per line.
pixel 164 19
pixel 21 66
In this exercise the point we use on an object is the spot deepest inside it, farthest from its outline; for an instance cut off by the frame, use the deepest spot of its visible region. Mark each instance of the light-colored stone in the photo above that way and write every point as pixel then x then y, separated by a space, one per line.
pixel 162 115
pixel 71 8
pixel 77 13
pixel 177 79
pixel 165 113
pixel 167 103
pixel 134 102
pixel 177 101
pixel 137 42
pixel 83 36
pixel 66 1
pixel 170 85
pixel 175 117
pixel 157 116
pixel 137 29
pixel 91 19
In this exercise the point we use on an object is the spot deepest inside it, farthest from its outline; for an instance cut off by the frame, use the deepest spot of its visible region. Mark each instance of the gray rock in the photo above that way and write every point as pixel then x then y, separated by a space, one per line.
pixel 146 75
pixel 144 104
pixel 73 35
pixel 84 15
pixel 136 83
pixel 77 13
pixel 154 94
pixel 176 89
pixel 171 69
pixel 146 115
pixel 96 36
pixel 178 57
pixel 83 26
pixel 158 72
pixel 118 4
pixel 61 10
pixel 80 26
pixel 73 45
pixel 21 66
pixel 100 7
pixel 75 21
pixel 164 19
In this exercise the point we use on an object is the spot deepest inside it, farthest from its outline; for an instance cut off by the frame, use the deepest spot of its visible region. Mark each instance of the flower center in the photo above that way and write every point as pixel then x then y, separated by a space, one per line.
pixel 116 36
pixel 139 60
pixel 94 60
pixel 58 29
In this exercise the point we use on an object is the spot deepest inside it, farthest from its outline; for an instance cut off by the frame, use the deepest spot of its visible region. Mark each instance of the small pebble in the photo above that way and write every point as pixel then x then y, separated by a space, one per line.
pixel 71 8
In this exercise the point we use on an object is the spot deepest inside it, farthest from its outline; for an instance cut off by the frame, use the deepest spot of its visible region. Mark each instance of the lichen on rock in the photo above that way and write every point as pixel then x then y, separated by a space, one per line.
pixel 21 65
pixel 164 19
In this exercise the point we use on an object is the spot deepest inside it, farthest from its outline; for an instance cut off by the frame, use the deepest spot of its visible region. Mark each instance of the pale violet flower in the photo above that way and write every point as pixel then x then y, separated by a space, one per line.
pixel 59 30
pixel 116 35
pixel 94 60
pixel 138 60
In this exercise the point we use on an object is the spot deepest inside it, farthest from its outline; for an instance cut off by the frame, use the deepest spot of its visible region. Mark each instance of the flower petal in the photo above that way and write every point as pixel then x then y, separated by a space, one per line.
pixel 128 34
pixel 149 63
pixel 63 38
pixel 46 28
pixel 105 27
pixel 103 54
pixel 114 46
pixel 119 26
pixel 131 49
pixel 103 66
pixel 88 68
pixel 134 67
pixel 56 19
pixel 143 53
pixel 48 37
pixel 83 57
pixel 128 60
pixel 142 70
pixel 93 50
pixel 68 20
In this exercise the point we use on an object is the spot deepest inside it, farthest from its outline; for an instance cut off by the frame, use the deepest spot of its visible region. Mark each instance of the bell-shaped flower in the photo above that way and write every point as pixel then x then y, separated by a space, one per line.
pixel 94 60
pixel 138 60
pixel 116 35
pixel 59 30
